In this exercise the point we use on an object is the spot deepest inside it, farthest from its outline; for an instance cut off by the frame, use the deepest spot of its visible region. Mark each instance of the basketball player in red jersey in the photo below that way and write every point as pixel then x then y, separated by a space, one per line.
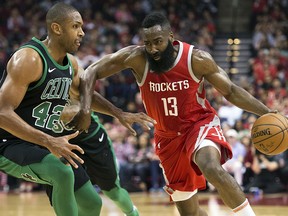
pixel 189 140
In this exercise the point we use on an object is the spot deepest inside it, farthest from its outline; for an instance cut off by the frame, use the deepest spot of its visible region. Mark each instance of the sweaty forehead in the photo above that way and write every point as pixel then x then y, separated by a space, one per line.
pixel 154 31
pixel 74 17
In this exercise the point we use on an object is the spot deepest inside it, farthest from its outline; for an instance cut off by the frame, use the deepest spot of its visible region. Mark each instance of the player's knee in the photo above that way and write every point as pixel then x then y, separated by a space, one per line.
pixel 91 206
pixel 189 208
pixel 113 194
pixel 94 202
pixel 58 171
pixel 211 170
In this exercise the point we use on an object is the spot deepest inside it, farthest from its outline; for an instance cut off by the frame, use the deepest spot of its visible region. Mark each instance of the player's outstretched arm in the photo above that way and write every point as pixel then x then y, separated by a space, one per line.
pixel 127 119
pixel 106 66
pixel 102 105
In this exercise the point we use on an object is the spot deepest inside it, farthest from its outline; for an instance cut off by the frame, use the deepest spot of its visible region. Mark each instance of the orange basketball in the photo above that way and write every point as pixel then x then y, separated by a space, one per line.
pixel 270 134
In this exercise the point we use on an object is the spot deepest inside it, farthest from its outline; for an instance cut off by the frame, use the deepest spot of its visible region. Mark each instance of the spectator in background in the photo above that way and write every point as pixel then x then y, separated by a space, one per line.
pixel 262 67
pixel 248 174
pixel 210 5
pixel 4 182
pixel 266 173
pixel 157 178
pixel 284 170
pixel 141 160
pixel 235 165
pixel 15 20
pixel 229 113
pixel 276 94
pixel 124 150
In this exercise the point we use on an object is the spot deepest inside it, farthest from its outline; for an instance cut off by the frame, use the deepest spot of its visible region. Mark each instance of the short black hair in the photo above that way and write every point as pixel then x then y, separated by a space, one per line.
pixel 156 18
pixel 59 13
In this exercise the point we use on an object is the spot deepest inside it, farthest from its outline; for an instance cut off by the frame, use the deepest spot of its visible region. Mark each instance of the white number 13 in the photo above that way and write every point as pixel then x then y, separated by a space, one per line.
pixel 170 106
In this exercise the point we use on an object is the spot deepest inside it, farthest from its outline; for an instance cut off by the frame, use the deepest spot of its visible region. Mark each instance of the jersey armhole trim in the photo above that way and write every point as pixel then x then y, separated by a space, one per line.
pixel 144 74
pixel 189 63
pixel 71 67
pixel 61 67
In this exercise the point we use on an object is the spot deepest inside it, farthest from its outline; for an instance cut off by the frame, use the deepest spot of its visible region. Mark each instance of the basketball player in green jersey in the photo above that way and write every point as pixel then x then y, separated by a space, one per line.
pixel 34 90
pixel 99 158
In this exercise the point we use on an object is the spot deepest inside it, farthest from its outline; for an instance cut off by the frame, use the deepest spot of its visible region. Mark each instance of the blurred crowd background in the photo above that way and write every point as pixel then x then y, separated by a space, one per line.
pixel 111 25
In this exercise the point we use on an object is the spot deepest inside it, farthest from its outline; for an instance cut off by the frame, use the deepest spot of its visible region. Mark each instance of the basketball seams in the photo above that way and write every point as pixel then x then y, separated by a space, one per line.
pixel 274 116
pixel 276 147
pixel 282 131
pixel 270 125
pixel 277 125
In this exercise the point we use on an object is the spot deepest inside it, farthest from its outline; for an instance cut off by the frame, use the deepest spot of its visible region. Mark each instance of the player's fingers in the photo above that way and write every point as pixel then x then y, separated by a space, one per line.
pixel 71 161
pixel 131 130
pixel 71 157
pixel 147 118
pixel 76 157
pixel 77 148
pixel 145 124
pixel 73 135
pixel 274 111
pixel 63 160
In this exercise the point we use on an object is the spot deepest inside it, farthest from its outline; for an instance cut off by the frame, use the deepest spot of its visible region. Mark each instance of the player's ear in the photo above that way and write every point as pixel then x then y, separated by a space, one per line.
pixel 56 28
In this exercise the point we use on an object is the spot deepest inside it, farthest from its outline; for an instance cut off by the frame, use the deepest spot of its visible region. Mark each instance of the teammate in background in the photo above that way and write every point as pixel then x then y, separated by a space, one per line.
pixel 34 90
pixel 188 137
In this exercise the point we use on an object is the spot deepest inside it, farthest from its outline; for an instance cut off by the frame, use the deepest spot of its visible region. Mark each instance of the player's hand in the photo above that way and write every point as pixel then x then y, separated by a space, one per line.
pixel 80 122
pixel 61 148
pixel 274 111
pixel 127 119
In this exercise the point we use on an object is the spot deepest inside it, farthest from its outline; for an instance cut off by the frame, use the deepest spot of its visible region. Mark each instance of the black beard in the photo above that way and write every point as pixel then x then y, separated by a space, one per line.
pixel 165 62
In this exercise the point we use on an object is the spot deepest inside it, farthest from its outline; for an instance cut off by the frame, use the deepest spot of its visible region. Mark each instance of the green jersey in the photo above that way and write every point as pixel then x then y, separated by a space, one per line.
pixel 45 99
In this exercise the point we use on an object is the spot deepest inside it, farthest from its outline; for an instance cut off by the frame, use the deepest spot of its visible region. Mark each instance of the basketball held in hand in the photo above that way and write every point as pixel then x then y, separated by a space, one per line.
pixel 270 134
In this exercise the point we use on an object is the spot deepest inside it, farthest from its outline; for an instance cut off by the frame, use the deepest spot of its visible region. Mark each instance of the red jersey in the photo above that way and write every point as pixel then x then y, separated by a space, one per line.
pixel 176 98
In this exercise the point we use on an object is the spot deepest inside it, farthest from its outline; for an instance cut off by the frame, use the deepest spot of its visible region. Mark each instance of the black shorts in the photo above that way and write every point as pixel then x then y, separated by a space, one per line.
pixel 99 158
pixel 18 153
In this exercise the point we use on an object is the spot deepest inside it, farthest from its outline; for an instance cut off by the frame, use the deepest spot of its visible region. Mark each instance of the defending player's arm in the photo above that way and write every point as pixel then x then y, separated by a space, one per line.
pixel 205 66
pixel 106 66
pixel 12 92
pixel 102 105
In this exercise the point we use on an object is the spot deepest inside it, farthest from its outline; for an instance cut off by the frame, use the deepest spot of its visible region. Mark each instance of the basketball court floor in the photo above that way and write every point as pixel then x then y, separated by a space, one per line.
pixel 149 204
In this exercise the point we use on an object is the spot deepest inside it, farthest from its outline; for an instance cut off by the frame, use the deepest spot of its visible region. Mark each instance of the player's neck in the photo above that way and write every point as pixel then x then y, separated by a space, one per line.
pixel 54 50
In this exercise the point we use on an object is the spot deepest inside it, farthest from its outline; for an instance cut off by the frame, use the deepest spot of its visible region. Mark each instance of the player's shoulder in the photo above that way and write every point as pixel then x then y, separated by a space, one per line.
pixel 26 56
pixel 203 63
pixel 201 55
pixel 22 62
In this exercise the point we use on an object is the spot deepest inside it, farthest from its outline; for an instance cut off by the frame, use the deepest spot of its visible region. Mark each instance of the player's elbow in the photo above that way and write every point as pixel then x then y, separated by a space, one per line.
pixel 3 116
pixel 91 72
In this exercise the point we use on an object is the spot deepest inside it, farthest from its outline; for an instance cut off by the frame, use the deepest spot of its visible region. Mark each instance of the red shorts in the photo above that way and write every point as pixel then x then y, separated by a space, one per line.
pixel 175 154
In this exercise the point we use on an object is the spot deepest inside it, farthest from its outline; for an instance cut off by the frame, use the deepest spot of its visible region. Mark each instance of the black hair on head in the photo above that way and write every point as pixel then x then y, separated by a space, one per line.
pixel 59 13
pixel 156 18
